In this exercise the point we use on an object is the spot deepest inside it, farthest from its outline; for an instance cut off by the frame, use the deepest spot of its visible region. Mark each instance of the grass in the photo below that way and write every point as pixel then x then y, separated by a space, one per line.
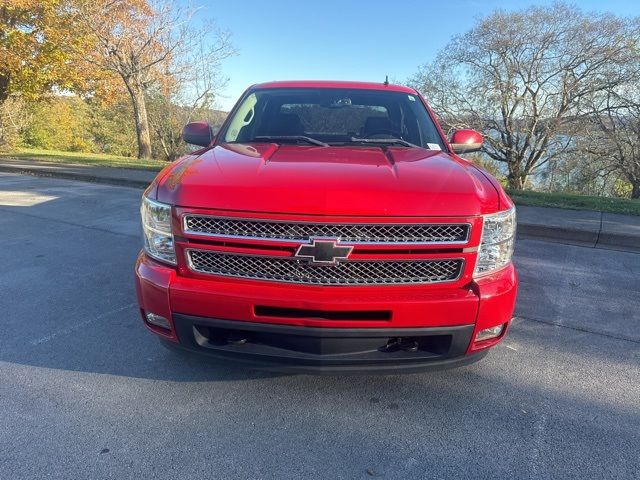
pixel 575 202
pixel 96 159
pixel 520 197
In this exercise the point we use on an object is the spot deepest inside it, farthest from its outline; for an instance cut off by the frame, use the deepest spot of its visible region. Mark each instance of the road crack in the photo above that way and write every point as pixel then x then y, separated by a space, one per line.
pixel 580 329
pixel 77 326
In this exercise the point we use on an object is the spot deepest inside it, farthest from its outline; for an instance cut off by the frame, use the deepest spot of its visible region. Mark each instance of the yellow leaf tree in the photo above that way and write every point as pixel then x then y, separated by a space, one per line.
pixel 142 42
pixel 38 40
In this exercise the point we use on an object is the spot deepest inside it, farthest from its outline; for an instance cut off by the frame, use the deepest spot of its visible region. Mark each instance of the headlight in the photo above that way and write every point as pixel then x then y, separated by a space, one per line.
pixel 156 230
pixel 496 246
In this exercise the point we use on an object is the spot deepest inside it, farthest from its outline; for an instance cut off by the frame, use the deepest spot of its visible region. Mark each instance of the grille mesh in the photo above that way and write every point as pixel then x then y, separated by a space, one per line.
pixel 343 273
pixel 352 233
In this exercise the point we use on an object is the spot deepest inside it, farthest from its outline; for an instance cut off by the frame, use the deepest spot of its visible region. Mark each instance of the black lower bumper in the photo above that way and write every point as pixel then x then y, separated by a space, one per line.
pixel 327 350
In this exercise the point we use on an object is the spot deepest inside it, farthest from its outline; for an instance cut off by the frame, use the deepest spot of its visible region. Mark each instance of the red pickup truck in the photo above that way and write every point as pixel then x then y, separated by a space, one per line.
pixel 328 227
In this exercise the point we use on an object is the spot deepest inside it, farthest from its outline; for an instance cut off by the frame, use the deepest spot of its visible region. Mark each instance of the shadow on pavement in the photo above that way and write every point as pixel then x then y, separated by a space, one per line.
pixel 68 282
pixel 78 367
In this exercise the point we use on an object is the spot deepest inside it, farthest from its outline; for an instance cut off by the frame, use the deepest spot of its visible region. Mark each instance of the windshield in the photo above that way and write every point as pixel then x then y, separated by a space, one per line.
pixel 333 116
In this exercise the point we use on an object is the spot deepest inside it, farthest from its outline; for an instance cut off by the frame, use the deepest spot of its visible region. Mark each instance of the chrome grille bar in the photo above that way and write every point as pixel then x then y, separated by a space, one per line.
pixel 379 233
pixel 352 272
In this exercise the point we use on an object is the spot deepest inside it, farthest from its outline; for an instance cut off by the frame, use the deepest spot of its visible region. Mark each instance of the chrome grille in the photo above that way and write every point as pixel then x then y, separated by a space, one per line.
pixel 349 233
pixel 352 272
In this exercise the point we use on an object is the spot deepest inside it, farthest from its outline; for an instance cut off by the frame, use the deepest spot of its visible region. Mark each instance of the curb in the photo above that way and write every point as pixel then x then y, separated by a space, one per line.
pixel 616 234
pixel 572 236
pixel 614 237
pixel 610 239
pixel 84 177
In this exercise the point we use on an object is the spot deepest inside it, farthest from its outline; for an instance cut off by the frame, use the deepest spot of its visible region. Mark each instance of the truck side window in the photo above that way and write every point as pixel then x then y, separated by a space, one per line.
pixel 243 117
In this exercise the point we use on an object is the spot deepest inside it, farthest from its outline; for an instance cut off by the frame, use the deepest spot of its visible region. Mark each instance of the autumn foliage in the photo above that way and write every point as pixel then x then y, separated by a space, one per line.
pixel 104 51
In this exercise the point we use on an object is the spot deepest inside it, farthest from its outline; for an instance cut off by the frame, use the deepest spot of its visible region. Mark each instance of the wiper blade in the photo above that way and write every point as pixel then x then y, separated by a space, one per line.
pixel 292 138
pixel 384 141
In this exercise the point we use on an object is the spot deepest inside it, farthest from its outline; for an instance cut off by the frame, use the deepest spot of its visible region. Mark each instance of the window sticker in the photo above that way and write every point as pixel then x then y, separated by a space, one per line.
pixel 433 146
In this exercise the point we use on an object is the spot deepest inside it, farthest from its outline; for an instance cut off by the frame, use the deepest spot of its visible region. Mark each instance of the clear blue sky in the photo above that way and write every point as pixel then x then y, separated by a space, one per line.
pixel 348 40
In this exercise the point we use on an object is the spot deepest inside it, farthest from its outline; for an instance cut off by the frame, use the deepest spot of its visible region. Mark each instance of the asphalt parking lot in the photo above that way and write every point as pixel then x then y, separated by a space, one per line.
pixel 87 392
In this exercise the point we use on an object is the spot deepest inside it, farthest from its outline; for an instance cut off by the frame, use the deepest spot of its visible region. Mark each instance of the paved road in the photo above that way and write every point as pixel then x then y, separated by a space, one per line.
pixel 87 392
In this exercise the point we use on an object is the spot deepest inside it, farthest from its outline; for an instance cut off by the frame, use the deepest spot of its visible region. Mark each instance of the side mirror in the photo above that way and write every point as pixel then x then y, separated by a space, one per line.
pixel 465 141
pixel 198 133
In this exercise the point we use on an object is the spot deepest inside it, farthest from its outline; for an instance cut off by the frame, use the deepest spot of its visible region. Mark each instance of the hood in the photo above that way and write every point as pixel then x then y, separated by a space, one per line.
pixel 350 181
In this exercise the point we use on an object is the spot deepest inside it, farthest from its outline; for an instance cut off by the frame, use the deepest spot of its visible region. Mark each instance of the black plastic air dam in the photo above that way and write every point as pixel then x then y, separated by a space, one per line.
pixel 327 350
pixel 264 311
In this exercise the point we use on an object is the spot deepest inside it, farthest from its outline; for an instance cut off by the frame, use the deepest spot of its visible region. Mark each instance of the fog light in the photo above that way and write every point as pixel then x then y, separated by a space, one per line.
pixel 158 320
pixel 488 333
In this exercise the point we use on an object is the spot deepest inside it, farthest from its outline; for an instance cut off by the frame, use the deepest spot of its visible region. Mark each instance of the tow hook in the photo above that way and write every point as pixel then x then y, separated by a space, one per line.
pixel 400 343
pixel 408 345
pixel 235 339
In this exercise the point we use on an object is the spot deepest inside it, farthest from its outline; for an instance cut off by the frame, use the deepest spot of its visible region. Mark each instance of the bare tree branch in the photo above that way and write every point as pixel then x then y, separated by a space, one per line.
pixel 525 79
pixel 149 44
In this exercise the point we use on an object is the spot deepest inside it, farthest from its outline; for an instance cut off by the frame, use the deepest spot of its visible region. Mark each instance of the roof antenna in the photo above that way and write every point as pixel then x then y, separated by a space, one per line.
pixel 386 80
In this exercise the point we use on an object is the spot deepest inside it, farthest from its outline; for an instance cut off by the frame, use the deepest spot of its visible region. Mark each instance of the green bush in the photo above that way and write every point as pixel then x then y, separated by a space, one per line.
pixel 69 123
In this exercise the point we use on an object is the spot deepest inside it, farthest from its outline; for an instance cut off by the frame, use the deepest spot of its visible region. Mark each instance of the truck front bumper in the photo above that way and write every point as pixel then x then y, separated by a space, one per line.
pixel 426 328
pixel 327 350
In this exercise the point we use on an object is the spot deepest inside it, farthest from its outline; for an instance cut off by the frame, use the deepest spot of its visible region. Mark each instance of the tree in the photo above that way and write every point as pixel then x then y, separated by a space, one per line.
pixel 38 40
pixel 57 123
pixel 190 96
pixel 143 43
pixel 14 118
pixel 167 119
pixel 522 78
pixel 615 133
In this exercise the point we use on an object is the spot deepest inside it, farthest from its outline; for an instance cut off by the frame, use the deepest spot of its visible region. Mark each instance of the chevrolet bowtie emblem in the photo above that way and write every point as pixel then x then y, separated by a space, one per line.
pixel 323 252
